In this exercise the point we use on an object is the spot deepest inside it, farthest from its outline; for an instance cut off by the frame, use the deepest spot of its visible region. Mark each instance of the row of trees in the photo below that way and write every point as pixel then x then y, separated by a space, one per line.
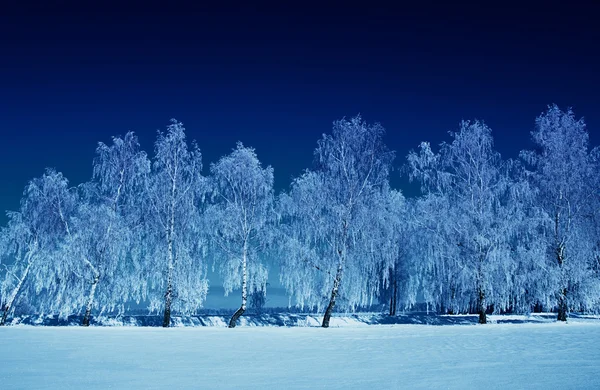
pixel 140 230
pixel 487 234
pixel 510 234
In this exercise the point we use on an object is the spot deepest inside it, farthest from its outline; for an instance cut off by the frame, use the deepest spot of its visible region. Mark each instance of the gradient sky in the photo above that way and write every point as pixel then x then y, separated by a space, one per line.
pixel 276 76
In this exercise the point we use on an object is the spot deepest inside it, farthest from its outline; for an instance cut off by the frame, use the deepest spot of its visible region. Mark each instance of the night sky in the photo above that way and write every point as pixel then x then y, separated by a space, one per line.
pixel 276 76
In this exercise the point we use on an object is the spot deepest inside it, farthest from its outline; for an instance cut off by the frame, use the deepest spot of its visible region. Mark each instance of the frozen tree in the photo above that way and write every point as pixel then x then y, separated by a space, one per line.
pixel 594 218
pixel 31 240
pixel 100 232
pixel 328 220
pixel 562 170
pixel 175 270
pixel 439 274
pixel 20 246
pixel 466 189
pixel 89 256
pixel 241 221
pixel 391 244
pixel 528 278
pixel 113 219
pixel 395 244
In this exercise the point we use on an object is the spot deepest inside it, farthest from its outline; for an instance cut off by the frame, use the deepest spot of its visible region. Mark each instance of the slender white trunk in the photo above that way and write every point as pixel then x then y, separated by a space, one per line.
pixel 244 276
pixel 90 302
pixel 169 292
pixel 170 260
pixel 481 301
pixel 334 292
pixel 14 294
pixel 560 258
pixel 242 309
pixel 338 275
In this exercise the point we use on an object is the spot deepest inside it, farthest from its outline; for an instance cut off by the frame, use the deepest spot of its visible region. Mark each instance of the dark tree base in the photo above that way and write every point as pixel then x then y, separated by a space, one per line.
pixel 482 318
pixel 236 316
pixel 562 314
pixel 167 318
pixel 328 312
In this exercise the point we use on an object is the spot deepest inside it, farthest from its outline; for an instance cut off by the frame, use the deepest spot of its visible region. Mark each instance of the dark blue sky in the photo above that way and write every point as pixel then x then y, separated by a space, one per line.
pixel 275 77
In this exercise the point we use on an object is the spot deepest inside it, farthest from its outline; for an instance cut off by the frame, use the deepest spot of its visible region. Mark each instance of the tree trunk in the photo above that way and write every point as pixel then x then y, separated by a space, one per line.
pixel 334 292
pixel 238 313
pixel 168 300
pixel 481 307
pixel 560 257
pixel 170 264
pixel 562 305
pixel 169 292
pixel 242 309
pixel 13 295
pixel 481 304
pixel 90 303
pixel 170 234
pixel 393 299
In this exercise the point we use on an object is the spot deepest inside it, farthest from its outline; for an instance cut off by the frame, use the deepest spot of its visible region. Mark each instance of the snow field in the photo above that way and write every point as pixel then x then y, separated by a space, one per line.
pixel 492 356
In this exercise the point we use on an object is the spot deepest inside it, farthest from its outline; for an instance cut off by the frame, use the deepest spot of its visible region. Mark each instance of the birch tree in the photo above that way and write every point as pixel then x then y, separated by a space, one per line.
pixel 175 193
pixel 112 219
pixel 96 253
pixel 328 220
pixel 440 275
pixel 32 239
pixel 529 278
pixel 241 221
pixel 19 247
pixel 395 245
pixel 467 184
pixel 562 170
pixel 89 256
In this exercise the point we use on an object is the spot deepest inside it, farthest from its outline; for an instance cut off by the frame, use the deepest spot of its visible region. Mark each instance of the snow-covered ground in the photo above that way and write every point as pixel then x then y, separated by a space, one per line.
pixel 530 355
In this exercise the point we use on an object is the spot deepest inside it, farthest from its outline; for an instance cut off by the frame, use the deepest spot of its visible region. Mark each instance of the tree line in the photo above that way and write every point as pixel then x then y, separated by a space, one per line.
pixel 486 234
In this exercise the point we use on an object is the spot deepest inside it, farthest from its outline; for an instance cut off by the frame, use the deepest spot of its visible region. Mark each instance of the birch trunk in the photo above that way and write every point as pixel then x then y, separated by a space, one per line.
pixel 393 299
pixel 562 294
pixel 169 292
pixel 170 265
pixel 242 309
pixel 90 302
pixel 14 294
pixel 481 306
pixel 332 299
pixel 560 258
pixel 562 306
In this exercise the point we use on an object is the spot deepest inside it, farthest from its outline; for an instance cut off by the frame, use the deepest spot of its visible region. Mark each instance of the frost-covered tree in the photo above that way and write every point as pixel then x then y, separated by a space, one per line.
pixel 391 244
pixel 32 239
pixel 438 271
pixel 113 218
pixel 395 244
pixel 241 221
pixel 562 170
pixel 466 188
pixel 594 219
pixel 19 245
pixel 329 222
pixel 89 256
pixel 175 270
pixel 95 256
pixel 527 275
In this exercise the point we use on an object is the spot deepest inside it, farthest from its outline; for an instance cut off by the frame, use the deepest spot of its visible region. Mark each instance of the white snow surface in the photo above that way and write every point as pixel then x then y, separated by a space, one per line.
pixel 514 356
